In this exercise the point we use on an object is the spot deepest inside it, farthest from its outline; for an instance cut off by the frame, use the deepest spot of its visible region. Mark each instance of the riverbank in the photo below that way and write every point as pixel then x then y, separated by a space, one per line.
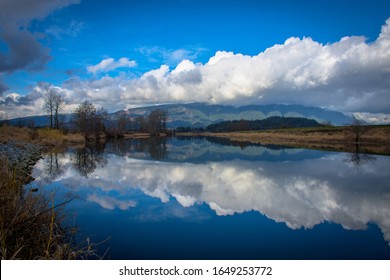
pixel 22 157
pixel 30 223
pixel 375 140
pixel 44 137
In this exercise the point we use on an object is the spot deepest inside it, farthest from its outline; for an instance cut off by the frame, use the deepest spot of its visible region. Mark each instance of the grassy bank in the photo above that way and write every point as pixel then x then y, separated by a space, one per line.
pixel 376 139
pixel 41 136
pixel 30 223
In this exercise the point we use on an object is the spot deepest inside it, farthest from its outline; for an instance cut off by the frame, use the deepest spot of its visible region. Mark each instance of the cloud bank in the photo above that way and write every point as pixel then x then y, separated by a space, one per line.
pixel 350 75
pixel 25 52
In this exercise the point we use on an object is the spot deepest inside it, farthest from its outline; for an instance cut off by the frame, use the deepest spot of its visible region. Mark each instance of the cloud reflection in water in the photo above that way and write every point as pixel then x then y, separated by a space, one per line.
pixel 300 193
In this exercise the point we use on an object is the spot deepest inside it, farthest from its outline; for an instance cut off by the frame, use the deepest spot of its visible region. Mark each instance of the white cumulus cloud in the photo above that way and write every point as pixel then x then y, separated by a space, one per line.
pixel 110 64
pixel 350 75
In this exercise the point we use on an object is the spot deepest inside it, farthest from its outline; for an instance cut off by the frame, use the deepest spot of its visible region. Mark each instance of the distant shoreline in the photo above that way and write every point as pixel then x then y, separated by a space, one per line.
pixel 375 141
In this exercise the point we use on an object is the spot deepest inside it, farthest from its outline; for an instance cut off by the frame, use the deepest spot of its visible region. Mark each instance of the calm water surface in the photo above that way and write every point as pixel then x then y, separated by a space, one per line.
pixel 210 199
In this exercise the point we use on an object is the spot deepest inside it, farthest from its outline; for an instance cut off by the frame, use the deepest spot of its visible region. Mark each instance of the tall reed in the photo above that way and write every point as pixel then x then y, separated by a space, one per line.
pixel 30 223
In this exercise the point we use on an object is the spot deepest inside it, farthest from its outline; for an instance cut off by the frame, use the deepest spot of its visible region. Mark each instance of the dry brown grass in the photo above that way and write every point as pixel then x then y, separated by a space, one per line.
pixel 375 140
pixel 40 136
pixel 30 224
pixel 14 133
pixel 56 137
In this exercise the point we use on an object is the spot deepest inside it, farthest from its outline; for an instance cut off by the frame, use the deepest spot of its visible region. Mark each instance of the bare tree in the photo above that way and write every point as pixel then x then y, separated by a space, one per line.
pixel 48 106
pixel 157 121
pixel 140 123
pixel 58 106
pixel 358 129
pixel 123 122
pixel 89 120
pixel 98 124
pixel 84 116
pixel 54 103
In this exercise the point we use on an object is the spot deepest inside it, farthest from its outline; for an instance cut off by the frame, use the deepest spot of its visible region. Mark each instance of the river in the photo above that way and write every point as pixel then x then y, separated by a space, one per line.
pixel 205 198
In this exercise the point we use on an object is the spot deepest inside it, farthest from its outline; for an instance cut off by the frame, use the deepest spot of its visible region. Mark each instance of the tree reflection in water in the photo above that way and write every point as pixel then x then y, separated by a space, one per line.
pixel 155 147
pixel 52 166
pixel 88 158
pixel 359 158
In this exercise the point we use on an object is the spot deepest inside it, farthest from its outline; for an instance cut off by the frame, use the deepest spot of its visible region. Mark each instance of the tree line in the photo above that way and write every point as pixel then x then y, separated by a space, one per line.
pixel 244 125
pixel 93 121
pixel 268 123
pixel 155 122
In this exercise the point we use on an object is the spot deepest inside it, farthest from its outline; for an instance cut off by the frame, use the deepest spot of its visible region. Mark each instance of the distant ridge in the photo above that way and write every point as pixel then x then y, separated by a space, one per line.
pixel 36 121
pixel 201 114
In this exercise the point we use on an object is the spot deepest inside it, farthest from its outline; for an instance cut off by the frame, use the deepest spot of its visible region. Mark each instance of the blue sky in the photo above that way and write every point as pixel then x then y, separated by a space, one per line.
pixel 122 54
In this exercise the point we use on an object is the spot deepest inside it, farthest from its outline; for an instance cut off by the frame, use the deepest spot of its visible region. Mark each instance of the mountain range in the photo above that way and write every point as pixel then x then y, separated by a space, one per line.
pixel 201 114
